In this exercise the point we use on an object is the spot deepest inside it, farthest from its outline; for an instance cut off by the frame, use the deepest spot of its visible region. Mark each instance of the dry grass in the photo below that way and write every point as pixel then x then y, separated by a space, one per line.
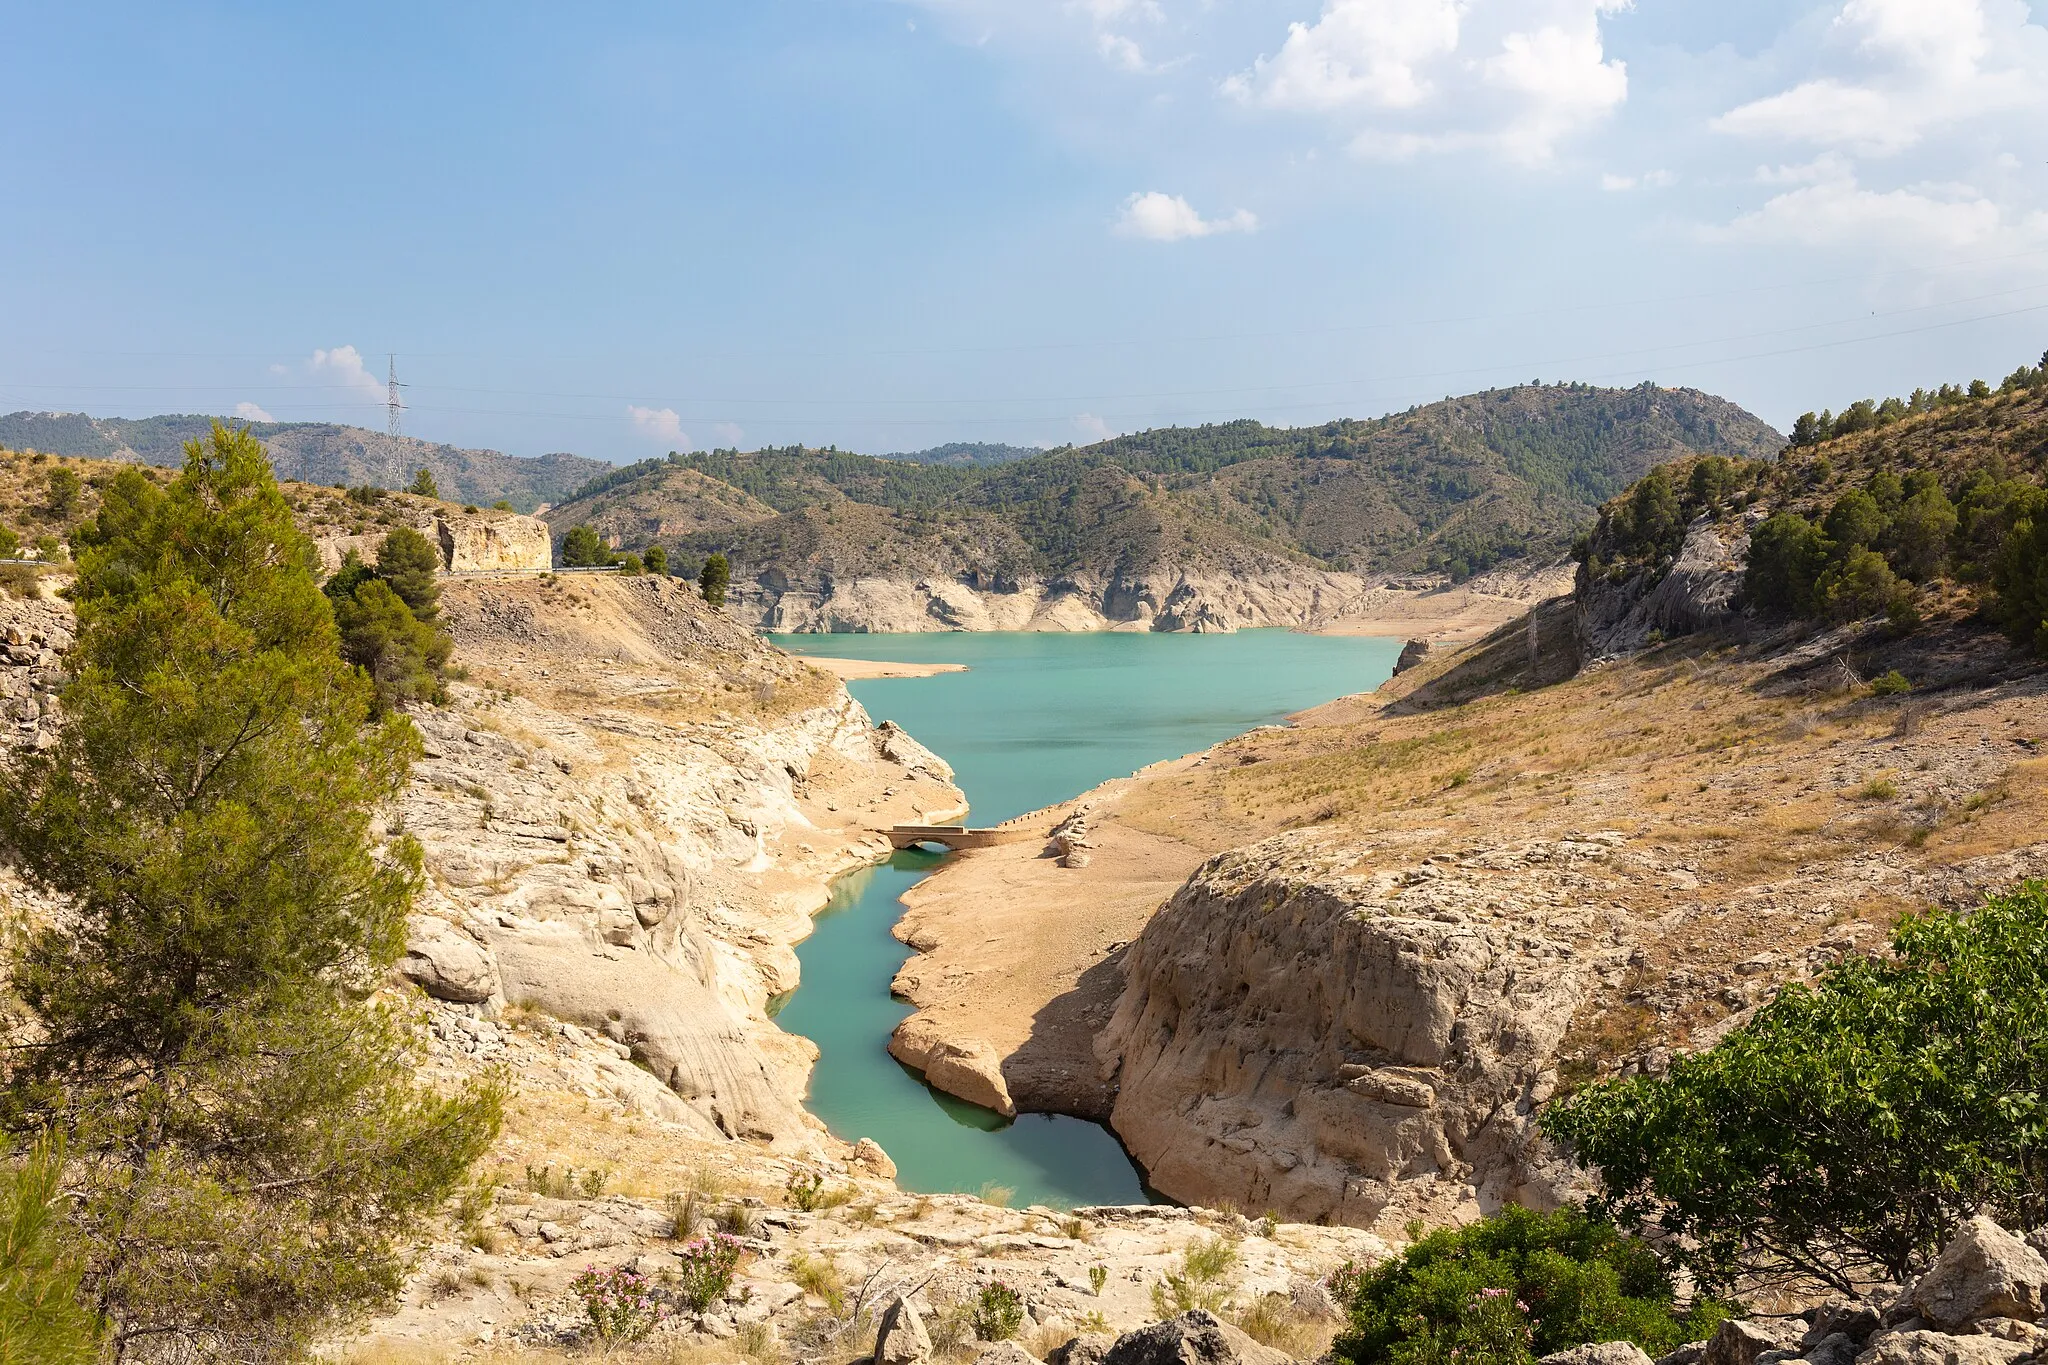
pixel 1274 1320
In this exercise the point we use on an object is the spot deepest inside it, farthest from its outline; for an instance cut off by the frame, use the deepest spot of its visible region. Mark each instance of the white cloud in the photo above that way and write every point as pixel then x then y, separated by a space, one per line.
pixel 1838 211
pixel 280 369
pixel 1159 217
pixel 1613 183
pixel 732 433
pixel 1091 427
pixel 344 364
pixel 661 424
pixel 1406 77
pixel 249 412
pixel 1120 51
pixel 1904 68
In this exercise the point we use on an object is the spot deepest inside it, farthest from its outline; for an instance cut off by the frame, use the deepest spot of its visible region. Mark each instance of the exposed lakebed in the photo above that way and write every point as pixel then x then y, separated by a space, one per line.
pixel 1036 719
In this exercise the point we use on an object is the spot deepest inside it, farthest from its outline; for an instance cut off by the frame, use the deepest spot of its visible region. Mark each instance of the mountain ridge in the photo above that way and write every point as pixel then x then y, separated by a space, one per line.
pixel 314 452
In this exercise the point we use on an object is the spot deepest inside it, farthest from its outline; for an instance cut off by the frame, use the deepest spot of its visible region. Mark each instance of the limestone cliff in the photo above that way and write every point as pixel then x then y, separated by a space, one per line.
pixel 469 541
pixel 630 822
pixel 1167 599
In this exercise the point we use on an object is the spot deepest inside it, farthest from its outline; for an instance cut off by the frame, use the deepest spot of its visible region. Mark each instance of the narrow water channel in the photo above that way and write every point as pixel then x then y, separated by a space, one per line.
pixel 1035 720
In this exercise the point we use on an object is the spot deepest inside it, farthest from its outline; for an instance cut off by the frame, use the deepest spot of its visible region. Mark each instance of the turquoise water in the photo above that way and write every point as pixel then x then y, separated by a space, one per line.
pixel 1036 719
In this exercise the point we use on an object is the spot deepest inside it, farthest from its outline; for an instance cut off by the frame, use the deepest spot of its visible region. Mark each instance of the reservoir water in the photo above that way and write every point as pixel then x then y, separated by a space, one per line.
pixel 1036 719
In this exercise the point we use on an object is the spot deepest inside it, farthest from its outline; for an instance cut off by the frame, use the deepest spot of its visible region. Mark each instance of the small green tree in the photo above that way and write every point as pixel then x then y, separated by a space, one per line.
pixel 1861 584
pixel 713 580
pixel 405 659
pixel 248 1151
pixel 630 565
pixel 1511 1287
pixel 1854 520
pixel 1845 1132
pixel 423 484
pixel 10 543
pixel 62 487
pixel 583 548
pixel 41 1320
pixel 1786 556
pixel 2020 575
pixel 409 562
pixel 656 559
pixel 1920 533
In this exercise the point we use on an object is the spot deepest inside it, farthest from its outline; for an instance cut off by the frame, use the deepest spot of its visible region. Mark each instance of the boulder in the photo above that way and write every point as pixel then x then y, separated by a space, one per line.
pixel 1599 1353
pixel 447 963
pixel 902 1339
pixel 1005 1353
pixel 1412 653
pixel 868 1154
pixel 1939 1348
pixel 1984 1272
pixel 1196 1337
pixel 1741 1342
pixel 968 1069
pixel 1836 1348
pixel 1087 1350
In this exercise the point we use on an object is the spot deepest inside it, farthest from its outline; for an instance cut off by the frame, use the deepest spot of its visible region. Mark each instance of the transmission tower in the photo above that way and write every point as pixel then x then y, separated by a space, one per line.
pixel 393 404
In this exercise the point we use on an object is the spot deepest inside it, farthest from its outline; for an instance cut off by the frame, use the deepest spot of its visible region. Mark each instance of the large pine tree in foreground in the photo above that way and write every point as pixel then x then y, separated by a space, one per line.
pixel 247 1153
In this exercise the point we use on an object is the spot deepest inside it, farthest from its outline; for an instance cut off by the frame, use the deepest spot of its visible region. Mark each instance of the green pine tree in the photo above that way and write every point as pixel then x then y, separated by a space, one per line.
pixel 714 578
pixel 248 1152
pixel 409 562
pixel 423 484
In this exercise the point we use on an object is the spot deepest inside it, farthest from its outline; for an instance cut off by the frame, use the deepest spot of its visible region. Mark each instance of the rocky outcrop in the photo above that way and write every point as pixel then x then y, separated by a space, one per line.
pixel 968 1069
pixel 1197 1337
pixel 1361 1047
pixel 1984 1272
pixel 471 544
pixel 448 963
pixel 487 540
pixel 1412 653
pixel 1697 591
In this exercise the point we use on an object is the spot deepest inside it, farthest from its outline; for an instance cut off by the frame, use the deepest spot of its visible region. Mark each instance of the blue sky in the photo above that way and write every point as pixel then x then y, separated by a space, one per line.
pixel 624 228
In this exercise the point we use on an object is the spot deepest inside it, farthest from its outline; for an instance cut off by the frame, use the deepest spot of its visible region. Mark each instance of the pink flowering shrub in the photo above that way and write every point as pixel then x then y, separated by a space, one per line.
pixel 623 1305
pixel 706 1270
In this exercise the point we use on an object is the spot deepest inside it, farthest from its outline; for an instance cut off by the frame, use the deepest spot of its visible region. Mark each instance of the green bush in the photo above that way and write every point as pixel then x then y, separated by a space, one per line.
pixel 998 1312
pixel 713 579
pixel 2020 574
pixel 1844 1133
pixel 1512 1287
pixel 1786 556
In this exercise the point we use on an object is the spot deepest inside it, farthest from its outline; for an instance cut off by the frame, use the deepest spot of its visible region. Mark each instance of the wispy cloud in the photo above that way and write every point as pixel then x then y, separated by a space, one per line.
pixel 249 412
pixel 1091 427
pixel 1159 217
pixel 660 424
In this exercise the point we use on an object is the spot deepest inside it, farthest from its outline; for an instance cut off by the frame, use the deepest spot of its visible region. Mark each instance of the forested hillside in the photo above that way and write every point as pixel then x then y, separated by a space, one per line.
pixel 316 452
pixel 1455 487
pixel 1909 509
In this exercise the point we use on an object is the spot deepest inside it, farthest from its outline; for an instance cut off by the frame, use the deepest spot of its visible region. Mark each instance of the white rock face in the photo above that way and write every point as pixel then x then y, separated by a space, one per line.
pixel 1356 1048
pixel 503 541
pixel 1984 1272
pixel 470 542
pixel 1168 601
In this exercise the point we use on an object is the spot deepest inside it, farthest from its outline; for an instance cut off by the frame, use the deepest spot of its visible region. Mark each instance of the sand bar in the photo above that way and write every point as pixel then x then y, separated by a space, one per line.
pixel 851 670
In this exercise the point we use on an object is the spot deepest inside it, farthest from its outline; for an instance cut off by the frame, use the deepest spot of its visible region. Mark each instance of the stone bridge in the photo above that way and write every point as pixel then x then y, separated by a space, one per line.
pixel 956 837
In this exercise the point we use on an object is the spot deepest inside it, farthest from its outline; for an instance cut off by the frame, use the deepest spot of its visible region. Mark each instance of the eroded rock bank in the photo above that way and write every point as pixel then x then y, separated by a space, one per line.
pixel 1295 596
pixel 629 824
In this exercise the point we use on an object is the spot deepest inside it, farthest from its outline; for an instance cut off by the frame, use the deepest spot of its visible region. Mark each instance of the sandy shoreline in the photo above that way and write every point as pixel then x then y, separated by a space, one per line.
pixel 854 670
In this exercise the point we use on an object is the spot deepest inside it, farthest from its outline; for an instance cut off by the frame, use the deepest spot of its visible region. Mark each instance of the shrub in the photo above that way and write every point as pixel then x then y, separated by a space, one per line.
pixel 582 548
pixel 998 1312
pixel 1891 683
pixel 706 1269
pixel 1861 584
pixel 2020 574
pixel 1844 1133
pixel 1512 1286
pixel 631 566
pixel 803 1190
pixel 656 560
pixel 622 1305
pixel 1199 1282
